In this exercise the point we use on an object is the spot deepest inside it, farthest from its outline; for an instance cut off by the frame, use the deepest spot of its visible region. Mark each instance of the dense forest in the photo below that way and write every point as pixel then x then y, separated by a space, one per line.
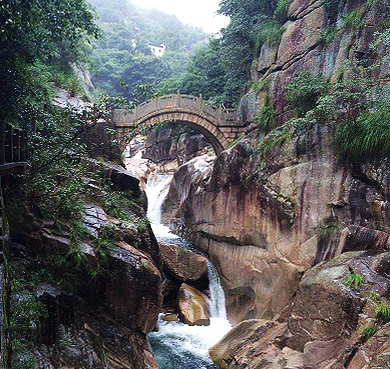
pixel 218 67
pixel 121 59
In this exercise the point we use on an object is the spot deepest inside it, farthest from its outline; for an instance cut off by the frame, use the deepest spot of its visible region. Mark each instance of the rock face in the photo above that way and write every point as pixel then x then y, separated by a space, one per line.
pixel 375 353
pixel 183 264
pixel 253 344
pixel 266 220
pixel 193 306
pixel 174 144
pixel 323 329
pixel 288 226
pixel 101 295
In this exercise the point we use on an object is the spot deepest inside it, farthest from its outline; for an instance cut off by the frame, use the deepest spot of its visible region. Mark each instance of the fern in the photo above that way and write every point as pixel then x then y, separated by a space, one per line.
pixel 265 118
pixel 372 296
pixel 354 279
pixel 369 331
pixel 382 313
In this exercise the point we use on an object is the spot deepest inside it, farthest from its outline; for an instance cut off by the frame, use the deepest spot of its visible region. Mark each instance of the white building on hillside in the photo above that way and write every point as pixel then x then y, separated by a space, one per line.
pixel 157 50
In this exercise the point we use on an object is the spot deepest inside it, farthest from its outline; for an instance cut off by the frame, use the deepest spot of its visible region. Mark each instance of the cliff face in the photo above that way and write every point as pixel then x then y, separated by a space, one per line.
pixel 175 144
pixel 86 297
pixel 265 221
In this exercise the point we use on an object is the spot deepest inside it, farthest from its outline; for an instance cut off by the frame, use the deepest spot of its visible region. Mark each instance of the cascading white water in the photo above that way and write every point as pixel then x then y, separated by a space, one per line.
pixel 217 296
pixel 175 344
pixel 156 192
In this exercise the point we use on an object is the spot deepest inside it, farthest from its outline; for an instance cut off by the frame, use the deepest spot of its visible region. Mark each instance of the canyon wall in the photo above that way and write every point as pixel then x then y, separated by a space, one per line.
pixel 267 220
pixel 91 292
pixel 264 221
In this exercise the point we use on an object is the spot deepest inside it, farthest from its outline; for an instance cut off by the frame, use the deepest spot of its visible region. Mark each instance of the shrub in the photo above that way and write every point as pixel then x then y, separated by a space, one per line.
pixel 366 139
pixel 303 92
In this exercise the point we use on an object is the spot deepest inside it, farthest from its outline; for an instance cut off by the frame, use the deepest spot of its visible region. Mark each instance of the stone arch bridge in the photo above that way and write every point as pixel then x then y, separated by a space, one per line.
pixel 220 126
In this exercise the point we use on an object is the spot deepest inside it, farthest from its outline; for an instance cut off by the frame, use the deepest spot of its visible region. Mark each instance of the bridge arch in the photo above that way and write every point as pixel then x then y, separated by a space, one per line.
pixel 219 126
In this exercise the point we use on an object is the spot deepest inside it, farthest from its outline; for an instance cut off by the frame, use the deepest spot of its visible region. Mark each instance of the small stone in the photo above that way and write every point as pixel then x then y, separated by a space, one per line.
pixel 169 317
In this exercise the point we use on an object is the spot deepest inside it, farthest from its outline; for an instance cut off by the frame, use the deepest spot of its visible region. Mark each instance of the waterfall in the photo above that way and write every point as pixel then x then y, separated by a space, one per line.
pixel 175 344
pixel 156 192
pixel 217 296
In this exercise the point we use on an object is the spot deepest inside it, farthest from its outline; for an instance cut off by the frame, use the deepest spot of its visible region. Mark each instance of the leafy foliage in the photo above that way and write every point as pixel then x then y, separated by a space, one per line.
pixel 205 76
pixel 45 30
pixel 326 230
pixel 303 92
pixel 354 19
pixel 265 118
pixel 369 331
pixel 220 70
pixel 354 279
pixel 382 312
pixel 115 202
pixel 357 107
pixel 276 137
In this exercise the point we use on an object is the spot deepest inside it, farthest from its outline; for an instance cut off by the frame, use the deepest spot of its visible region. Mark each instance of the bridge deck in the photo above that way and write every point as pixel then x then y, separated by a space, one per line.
pixel 220 126
pixel 174 103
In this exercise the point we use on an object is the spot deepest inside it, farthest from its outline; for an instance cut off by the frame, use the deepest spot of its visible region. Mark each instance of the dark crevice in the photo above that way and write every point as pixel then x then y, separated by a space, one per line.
pixel 362 177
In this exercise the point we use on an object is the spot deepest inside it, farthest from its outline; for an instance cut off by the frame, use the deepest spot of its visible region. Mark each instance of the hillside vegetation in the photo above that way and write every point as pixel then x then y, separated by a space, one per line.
pixel 123 64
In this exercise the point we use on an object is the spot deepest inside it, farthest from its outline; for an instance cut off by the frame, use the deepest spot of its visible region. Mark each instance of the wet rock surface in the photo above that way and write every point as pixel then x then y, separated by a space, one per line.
pixel 183 264
pixel 193 306
pixel 324 327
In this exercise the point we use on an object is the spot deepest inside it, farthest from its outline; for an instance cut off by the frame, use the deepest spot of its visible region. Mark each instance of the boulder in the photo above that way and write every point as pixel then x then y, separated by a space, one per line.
pixel 170 317
pixel 255 343
pixel 132 295
pixel 324 327
pixel 325 309
pixel 193 306
pixel 182 264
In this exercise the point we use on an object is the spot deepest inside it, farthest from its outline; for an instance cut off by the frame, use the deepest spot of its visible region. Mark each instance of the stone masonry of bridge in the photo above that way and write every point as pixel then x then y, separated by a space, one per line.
pixel 220 126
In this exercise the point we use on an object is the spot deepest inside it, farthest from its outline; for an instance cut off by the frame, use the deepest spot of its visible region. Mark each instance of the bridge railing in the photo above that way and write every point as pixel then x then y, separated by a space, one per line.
pixel 12 149
pixel 196 104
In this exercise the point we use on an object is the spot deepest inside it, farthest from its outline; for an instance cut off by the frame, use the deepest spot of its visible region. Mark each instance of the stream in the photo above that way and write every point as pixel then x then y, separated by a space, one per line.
pixel 175 344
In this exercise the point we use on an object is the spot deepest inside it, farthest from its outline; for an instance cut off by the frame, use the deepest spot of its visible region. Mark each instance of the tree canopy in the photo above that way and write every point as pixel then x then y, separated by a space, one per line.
pixel 33 32
pixel 122 58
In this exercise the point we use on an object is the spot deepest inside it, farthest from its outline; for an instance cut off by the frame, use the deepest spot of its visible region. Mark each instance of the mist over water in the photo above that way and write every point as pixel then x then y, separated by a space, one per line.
pixel 175 344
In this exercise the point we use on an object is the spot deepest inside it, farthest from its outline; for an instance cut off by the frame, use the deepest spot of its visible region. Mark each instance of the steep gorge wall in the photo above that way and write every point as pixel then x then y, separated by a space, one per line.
pixel 91 294
pixel 264 222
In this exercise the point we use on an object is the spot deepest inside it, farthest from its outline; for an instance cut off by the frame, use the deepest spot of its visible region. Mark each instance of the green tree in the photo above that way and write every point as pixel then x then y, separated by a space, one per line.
pixel 46 30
